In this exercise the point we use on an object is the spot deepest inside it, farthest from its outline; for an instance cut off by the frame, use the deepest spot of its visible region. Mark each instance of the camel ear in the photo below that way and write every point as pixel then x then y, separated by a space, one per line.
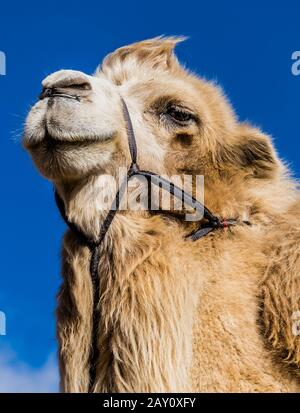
pixel 252 151
pixel 156 53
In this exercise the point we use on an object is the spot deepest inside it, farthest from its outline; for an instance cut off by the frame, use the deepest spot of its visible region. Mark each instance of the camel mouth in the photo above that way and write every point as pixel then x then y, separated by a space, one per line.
pixel 49 142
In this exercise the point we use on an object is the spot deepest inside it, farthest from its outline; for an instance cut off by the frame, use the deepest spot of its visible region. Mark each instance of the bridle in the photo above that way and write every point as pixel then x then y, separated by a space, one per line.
pixel 212 222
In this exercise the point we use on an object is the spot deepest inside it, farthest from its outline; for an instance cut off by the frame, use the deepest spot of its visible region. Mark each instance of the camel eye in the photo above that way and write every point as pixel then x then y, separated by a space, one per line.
pixel 179 115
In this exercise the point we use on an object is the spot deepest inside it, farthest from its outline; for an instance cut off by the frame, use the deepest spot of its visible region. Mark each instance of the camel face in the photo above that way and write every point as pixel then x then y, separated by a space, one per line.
pixel 178 119
pixel 183 124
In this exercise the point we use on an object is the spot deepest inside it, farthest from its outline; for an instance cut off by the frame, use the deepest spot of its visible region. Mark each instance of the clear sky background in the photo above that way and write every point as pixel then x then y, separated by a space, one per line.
pixel 245 46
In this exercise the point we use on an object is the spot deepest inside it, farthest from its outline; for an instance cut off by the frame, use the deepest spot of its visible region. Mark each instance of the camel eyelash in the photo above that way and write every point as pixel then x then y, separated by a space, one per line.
pixel 179 115
pixel 173 113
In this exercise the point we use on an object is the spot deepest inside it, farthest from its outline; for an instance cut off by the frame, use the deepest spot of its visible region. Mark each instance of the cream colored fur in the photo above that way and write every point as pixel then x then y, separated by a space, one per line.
pixel 213 315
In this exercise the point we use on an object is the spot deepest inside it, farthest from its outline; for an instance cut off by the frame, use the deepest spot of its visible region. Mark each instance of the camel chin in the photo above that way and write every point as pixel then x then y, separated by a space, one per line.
pixel 64 160
pixel 64 157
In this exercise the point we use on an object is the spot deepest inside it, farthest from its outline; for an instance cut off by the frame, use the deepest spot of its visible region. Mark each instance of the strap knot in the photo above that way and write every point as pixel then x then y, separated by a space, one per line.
pixel 133 170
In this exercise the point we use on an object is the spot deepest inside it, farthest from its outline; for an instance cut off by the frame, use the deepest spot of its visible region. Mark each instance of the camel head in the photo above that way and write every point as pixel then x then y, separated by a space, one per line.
pixel 183 124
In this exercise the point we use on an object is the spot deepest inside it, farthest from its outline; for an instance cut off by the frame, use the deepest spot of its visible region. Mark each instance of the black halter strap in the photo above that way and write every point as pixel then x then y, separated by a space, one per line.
pixel 212 222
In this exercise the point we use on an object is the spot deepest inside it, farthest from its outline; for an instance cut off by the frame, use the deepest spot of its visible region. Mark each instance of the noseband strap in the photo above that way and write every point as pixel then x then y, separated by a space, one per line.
pixel 212 223
pixel 130 135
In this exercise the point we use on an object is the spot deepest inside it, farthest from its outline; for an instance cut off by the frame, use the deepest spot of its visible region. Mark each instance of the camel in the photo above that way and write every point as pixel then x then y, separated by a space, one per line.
pixel 212 315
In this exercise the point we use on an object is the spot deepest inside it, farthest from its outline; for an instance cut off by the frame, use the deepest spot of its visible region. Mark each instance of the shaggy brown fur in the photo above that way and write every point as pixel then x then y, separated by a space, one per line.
pixel 212 315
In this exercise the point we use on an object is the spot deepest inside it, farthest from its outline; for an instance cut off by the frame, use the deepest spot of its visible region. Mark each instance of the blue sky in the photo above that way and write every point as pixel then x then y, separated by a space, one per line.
pixel 245 46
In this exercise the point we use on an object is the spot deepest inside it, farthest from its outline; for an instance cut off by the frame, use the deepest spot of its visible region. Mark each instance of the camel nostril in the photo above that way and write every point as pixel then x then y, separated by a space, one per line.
pixel 46 93
pixel 66 83
pixel 66 89
pixel 67 79
pixel 79 86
